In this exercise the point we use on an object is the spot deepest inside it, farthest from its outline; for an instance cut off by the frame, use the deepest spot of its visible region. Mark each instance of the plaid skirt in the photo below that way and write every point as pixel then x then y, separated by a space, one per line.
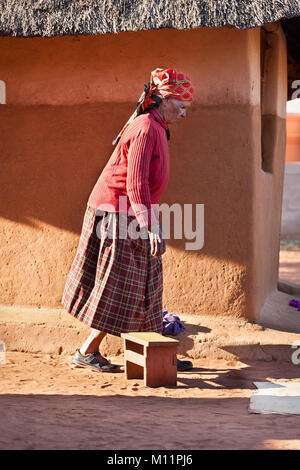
pixel 114 285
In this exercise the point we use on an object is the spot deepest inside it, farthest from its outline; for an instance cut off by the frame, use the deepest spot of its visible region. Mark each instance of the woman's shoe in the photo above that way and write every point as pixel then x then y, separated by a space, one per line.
pixel 184 365
pixel 90 361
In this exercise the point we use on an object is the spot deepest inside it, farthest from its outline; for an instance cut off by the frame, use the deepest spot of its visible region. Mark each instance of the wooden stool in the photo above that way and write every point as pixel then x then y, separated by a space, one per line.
pixel 150 356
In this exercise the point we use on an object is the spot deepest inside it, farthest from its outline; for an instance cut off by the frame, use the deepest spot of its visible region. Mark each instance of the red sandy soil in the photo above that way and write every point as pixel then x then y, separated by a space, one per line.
pixel 47 405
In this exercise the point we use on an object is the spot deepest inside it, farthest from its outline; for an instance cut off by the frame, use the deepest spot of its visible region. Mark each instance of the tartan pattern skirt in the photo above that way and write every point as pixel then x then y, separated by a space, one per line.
pixel 114 285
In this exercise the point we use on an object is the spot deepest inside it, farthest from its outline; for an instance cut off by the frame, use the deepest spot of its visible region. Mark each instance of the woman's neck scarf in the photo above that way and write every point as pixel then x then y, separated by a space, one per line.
pixel 163 83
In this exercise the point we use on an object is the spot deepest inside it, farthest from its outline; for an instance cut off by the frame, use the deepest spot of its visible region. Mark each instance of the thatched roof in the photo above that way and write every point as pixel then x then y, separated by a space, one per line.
pixel 68 17
pixel 62 17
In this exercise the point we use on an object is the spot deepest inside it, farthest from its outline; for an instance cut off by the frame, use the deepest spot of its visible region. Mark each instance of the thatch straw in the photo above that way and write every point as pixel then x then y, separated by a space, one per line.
pixel 65 17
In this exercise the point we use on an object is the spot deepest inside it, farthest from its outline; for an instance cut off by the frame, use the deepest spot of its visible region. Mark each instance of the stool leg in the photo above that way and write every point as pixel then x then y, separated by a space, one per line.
pixel 133 371
pixel 161 366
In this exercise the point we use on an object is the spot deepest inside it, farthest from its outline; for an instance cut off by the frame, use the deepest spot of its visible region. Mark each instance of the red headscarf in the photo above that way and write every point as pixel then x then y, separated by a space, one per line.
pixel 163 83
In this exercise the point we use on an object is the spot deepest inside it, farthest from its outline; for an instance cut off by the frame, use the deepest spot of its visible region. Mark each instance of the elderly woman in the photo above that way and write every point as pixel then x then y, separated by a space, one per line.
pixel 115 283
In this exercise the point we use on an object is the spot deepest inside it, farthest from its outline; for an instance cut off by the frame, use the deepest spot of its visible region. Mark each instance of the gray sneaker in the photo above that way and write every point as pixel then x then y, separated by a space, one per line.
pixel 91 361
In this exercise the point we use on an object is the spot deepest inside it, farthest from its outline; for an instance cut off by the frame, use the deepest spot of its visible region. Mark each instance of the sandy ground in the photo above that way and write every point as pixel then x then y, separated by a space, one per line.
pixel 47 405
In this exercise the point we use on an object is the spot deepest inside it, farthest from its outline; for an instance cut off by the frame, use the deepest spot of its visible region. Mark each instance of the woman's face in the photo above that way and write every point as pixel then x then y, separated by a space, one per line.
pixel 173 110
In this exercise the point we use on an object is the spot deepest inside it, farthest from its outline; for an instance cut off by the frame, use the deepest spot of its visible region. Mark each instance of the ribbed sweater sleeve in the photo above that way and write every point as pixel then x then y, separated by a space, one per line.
pixel 138 165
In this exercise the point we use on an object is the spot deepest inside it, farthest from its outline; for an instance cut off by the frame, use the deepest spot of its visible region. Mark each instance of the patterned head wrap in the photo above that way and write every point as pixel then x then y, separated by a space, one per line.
pixel 163 83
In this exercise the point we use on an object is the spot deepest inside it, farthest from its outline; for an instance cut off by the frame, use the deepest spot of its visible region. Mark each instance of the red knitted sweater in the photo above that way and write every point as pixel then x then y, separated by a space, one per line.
pixel 138 168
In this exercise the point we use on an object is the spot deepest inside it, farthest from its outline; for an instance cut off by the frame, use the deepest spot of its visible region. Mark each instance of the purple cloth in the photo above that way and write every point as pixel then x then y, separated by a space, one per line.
pixel 171 324
pixel 295 303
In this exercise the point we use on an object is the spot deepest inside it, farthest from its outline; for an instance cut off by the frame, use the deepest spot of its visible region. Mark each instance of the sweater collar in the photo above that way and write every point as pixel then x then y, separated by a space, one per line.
pixel 158 117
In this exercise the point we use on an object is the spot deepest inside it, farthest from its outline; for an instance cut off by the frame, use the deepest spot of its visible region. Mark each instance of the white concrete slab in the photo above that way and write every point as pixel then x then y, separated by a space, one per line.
pixel 276 398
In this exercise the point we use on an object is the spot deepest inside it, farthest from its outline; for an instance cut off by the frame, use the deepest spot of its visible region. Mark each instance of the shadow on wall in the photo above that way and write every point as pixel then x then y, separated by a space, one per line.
pixel 53 156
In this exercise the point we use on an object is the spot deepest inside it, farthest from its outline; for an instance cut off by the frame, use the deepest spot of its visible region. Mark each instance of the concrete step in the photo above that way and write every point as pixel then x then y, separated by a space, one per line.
pixel 31 329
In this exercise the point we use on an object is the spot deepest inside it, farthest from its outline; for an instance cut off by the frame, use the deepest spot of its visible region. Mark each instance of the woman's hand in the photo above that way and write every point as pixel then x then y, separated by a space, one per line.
pixel 157 240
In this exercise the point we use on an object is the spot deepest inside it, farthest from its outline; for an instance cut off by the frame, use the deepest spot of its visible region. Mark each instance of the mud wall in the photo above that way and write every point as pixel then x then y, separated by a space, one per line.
pixel 66 98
